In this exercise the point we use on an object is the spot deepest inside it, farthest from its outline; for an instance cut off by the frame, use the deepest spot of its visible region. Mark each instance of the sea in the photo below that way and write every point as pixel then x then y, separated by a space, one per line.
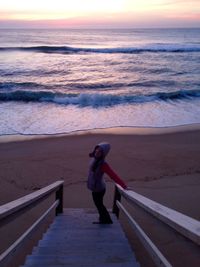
pixel 55 81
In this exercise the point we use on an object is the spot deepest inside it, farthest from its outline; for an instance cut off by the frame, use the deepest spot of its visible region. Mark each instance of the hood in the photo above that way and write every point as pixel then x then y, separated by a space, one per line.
pixel 105 148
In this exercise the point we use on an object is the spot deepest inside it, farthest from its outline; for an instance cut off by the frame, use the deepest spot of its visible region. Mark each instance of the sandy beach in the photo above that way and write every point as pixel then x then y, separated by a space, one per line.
pixel 162 164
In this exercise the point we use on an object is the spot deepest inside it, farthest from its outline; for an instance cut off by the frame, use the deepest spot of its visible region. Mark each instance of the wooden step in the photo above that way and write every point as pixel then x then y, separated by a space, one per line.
pixel 73 240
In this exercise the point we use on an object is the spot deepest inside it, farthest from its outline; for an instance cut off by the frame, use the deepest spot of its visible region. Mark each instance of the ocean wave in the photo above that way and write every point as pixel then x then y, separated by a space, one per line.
pixel 95 100
pixel 18 85
pixel 37 72
pixel 154 48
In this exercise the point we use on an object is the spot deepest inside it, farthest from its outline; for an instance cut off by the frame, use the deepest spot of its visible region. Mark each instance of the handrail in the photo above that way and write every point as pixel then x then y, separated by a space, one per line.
pixel 17 205
pixel 7 255
pixel 185 225
pixel 156 255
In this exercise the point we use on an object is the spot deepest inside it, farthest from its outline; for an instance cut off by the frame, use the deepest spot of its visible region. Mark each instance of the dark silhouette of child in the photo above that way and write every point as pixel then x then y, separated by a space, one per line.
pixel 96 183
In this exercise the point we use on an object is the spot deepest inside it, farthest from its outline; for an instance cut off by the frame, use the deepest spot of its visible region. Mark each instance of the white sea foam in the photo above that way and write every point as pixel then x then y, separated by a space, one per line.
pixel 47 119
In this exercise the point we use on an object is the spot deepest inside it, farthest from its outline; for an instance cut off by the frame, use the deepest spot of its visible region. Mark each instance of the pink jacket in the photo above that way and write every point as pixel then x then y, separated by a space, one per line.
pixel 107 169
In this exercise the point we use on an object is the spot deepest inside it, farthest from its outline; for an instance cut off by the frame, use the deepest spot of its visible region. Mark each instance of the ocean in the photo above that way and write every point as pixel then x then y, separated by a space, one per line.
pixel 60 81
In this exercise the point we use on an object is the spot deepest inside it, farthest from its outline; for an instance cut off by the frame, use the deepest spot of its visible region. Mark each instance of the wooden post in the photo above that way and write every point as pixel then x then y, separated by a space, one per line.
pixel 59 197
pixel 117 196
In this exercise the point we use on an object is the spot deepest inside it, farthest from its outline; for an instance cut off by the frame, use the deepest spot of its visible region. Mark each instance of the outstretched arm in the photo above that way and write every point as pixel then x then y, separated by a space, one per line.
pixel 107 169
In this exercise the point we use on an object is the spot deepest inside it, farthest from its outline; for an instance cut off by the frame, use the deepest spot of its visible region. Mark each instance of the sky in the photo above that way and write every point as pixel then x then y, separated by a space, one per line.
pixel 99 13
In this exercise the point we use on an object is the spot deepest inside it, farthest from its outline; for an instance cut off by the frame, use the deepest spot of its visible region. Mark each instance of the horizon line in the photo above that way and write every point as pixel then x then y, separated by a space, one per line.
pixel 100 28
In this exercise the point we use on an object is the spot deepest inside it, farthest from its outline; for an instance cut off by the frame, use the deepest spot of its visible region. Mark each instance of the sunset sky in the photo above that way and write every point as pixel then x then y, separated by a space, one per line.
pixel 99 14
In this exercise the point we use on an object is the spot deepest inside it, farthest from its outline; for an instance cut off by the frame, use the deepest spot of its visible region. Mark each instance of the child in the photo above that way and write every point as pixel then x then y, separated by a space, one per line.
pixel 96 182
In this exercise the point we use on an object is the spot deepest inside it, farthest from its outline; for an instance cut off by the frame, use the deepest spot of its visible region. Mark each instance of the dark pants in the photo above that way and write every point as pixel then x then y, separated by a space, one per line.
pixel 104 216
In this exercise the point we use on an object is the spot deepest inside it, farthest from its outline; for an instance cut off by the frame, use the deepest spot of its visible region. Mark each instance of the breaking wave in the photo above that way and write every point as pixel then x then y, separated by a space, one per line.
pixel 154 48
pixel 95 100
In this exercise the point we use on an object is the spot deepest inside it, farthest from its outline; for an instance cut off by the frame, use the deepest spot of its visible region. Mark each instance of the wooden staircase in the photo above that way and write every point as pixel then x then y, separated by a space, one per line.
pixel 73 240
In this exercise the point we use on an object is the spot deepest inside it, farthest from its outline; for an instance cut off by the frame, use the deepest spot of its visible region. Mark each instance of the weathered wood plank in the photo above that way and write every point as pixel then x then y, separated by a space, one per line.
pixel 185 225
pixel 73 240
pixel 13 206
pixel 154 252
pixel 14 248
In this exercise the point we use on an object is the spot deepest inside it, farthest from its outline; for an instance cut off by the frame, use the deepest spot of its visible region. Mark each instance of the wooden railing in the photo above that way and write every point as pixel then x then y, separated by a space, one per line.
pixel 185 225
pixel 16 206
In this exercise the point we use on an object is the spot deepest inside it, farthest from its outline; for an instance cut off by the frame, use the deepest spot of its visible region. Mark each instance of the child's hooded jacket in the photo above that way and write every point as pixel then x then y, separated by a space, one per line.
pixel 98 167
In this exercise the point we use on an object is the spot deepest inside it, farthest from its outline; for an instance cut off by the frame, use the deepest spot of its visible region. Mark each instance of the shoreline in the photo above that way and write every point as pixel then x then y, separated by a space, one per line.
pixel 122 130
